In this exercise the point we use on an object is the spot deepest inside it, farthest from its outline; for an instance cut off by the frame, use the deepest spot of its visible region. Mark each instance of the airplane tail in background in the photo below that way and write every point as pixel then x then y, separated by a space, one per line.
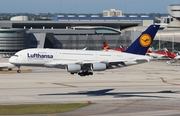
pixel 122 49
pixel 106 47
pixel 143 42
pixel 171 54
pixel 166 50
pixel 148 51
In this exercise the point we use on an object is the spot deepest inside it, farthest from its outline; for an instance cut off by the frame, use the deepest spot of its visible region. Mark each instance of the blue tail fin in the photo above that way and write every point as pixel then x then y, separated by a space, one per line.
pixel 142 43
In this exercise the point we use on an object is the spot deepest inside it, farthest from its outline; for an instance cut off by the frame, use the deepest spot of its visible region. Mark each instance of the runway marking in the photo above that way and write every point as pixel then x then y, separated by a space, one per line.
pixel 51 114
pixel 14 71
pixel 161 107
pixel 124 105
pixel 40 82
pixel 32 88
pixel 145 106
pixel 64 84
pixel 164 81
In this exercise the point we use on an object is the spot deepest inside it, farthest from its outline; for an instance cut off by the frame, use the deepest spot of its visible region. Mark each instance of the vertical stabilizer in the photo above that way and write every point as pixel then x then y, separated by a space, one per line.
pixel 143 42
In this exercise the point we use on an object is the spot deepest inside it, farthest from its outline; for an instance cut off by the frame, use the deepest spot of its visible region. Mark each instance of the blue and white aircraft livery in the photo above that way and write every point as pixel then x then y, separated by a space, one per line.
pixel 84 62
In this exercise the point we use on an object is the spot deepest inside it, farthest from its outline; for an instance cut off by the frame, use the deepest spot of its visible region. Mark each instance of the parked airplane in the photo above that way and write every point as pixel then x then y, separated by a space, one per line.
pixel 177 56
pixel 85 62
pixel 162 54
pixel 6 65
pixel 155 54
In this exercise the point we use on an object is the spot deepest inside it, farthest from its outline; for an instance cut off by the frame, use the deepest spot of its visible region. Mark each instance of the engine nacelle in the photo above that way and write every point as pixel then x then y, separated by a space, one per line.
pixel 73 68
pixel 98 66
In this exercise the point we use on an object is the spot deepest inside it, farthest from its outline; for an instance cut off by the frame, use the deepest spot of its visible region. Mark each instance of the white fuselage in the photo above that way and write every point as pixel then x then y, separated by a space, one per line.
pixel 41 57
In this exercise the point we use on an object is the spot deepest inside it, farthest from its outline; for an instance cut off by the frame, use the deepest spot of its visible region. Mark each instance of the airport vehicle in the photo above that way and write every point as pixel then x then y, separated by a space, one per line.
pixel 6 56
pixel 6 65
pixel 84 62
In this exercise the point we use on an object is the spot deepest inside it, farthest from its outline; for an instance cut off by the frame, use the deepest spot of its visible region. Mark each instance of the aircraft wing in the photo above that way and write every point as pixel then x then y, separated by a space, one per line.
pixel 84 48
pixel 61 63
pixel 58 63
pixel 110 64
pixel 53 64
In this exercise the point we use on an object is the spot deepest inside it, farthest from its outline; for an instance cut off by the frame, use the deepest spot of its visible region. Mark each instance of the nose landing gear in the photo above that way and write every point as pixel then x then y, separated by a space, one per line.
pixel 18 71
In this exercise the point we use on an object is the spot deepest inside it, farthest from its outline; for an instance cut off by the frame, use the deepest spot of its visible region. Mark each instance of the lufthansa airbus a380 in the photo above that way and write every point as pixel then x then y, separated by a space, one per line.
pixel 84 62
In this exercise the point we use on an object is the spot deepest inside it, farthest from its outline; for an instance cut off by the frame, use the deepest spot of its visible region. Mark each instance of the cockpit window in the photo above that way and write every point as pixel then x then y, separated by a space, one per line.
pixel 15 55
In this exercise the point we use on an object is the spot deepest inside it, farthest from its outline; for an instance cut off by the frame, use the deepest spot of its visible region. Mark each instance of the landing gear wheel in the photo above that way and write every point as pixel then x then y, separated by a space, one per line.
pixel 18 71
pixel 85 73
pixel 90 73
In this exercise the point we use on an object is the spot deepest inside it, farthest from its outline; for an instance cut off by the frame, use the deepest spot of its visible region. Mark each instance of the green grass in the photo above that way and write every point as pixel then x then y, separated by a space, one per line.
pixel 39 108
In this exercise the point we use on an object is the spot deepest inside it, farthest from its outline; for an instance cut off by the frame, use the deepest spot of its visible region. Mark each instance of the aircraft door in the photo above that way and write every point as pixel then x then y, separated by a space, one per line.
pixel 95 55
pixel 117 56
pixel 114 56
pixel 24 58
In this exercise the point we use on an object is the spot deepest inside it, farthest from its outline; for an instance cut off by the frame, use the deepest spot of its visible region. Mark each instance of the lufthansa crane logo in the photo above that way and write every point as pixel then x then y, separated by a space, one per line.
pixel 145 40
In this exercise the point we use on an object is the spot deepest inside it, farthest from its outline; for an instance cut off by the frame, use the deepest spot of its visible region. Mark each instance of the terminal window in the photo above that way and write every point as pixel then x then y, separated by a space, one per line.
pixel 35 42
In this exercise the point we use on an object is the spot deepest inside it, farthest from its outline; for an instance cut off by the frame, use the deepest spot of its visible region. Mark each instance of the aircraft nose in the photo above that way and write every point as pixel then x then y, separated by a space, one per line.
pixel 11 59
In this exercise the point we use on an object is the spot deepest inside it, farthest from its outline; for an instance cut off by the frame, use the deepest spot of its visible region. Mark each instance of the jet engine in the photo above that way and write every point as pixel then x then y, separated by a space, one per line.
pixel 98 66
pixel 73 68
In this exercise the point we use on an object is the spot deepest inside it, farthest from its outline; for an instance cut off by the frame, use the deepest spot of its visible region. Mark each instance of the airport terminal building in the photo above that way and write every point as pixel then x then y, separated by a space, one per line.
pixel 81 31
pixel 67 32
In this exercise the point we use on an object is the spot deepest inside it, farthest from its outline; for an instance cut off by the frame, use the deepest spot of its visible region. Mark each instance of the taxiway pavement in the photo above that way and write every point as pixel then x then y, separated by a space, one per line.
pixel 150 89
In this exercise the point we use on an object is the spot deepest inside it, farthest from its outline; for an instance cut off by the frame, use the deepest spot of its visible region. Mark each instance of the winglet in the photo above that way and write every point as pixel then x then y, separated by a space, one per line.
pixel 84 48
pixel 143 42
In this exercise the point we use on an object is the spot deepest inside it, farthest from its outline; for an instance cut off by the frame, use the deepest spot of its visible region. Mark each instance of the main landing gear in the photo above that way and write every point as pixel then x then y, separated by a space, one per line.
pixel 85 73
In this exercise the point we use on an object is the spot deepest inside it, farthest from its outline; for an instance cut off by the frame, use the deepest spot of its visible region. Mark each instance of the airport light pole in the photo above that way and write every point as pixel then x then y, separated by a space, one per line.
pixel 173 42
pixel 159 42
